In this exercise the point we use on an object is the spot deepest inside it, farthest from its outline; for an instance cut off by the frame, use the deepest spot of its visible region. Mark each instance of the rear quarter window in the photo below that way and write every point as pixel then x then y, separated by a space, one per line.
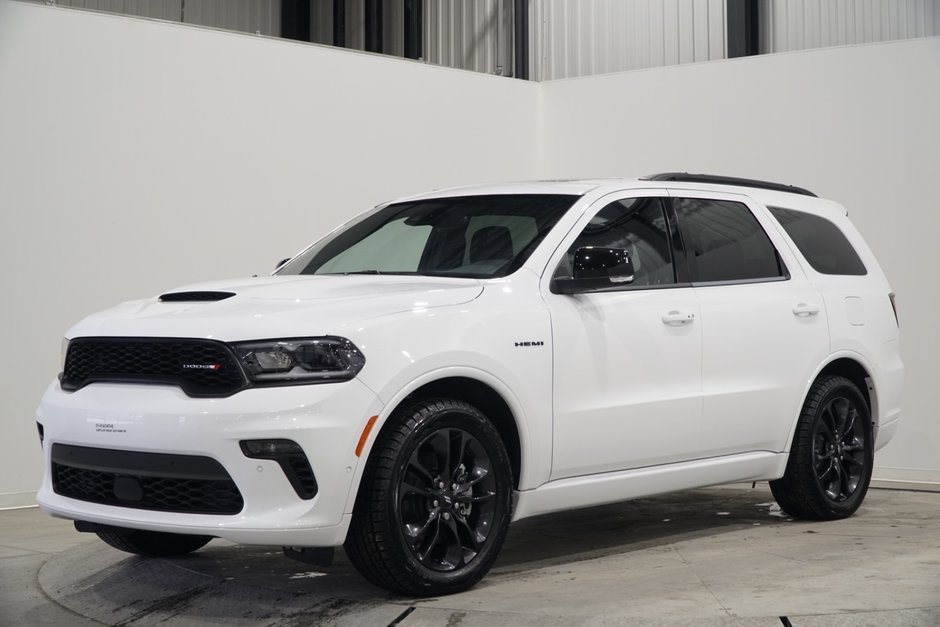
pixel 822 243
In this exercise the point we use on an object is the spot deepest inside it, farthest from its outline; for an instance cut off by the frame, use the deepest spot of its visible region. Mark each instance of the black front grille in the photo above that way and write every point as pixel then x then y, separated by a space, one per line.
pixel 199 367
pixel 155 481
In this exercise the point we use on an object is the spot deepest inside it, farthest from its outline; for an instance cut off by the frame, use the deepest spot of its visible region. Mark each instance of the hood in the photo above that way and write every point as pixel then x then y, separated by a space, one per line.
pixel 277 307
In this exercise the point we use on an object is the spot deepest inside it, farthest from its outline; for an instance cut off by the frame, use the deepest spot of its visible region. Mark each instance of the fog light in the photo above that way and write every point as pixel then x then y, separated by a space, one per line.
pixel 270 449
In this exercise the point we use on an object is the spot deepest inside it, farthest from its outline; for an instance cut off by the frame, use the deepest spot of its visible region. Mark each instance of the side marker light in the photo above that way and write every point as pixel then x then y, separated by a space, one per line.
pixel 365 435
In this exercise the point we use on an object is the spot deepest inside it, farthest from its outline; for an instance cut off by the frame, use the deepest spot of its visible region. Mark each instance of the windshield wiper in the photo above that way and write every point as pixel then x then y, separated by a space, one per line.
pixel 373 272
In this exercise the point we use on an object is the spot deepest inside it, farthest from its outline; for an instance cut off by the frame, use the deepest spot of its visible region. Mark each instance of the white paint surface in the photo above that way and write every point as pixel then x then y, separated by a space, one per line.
pixel 136 156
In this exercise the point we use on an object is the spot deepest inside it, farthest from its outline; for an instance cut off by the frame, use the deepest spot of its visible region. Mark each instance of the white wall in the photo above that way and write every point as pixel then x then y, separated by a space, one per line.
pixel 136 156
pixel 857 124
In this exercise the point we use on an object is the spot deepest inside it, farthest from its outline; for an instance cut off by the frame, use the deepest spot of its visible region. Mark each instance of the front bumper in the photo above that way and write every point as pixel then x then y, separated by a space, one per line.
pixel 326 420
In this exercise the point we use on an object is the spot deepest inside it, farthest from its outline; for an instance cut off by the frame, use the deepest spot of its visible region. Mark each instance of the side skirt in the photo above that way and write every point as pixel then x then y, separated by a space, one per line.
pixel 612 487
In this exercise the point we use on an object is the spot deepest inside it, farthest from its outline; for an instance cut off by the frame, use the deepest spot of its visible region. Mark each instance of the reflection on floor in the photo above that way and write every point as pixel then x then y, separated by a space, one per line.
pixel 717 556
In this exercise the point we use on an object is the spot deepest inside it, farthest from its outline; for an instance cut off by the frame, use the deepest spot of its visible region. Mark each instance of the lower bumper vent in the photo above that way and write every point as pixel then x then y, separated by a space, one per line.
pixel 153 481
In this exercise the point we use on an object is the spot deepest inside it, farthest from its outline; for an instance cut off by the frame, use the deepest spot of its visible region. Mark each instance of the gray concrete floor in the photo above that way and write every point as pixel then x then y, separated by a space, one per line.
pixel 718 556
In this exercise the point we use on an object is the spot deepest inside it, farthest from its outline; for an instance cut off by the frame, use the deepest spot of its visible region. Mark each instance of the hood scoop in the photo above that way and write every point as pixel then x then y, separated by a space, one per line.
pixel 194 297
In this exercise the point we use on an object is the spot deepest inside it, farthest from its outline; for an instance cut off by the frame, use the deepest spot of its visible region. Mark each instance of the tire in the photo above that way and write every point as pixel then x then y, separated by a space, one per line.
pixel 153 543
pixel 831 459
pixel 434 503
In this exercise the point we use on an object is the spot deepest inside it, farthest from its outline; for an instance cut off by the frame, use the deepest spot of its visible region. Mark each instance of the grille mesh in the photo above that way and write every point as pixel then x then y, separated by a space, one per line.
pixel 215 494
pixel 306 483
pixel 199 367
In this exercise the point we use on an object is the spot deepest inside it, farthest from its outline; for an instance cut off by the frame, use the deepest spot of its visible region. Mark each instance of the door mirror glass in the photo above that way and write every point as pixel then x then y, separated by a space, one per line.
pixel 597 268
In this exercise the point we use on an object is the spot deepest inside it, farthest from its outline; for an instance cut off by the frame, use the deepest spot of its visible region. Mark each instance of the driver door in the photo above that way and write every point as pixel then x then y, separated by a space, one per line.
pixel 627 377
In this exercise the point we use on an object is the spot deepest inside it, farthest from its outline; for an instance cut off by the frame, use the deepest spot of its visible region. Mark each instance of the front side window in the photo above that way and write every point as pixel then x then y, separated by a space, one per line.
pixel 821 242
pixel 725 242
pixel 467 236
pixel 637 225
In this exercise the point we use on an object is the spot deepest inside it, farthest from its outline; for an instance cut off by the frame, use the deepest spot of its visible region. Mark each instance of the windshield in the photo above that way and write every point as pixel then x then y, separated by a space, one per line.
pixel 467 236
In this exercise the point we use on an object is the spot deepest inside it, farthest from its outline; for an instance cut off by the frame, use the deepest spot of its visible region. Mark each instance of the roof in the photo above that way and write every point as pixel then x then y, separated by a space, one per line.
pixel 763 191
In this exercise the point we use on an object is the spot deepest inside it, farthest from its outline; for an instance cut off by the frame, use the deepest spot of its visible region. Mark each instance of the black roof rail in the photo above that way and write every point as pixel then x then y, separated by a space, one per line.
pixel 686 177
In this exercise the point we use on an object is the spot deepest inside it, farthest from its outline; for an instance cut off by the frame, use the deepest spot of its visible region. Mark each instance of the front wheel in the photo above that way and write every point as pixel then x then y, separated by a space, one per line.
pixel 434 504
pixel 831 459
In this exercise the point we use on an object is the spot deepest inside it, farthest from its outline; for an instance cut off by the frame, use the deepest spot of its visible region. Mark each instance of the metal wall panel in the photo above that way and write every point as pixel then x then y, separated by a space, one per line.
pixel 355 24
pixel 580 37
pixel 569 38
pixel 250 16
pixel 472 35
pixel 393 27
pixel 159 9
pixel 321 21
pixel 800 24
pixel 261 16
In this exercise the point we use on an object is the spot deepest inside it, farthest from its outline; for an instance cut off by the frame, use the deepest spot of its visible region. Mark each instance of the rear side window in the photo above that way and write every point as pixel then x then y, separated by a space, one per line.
pixel 821 242
pixel 725 242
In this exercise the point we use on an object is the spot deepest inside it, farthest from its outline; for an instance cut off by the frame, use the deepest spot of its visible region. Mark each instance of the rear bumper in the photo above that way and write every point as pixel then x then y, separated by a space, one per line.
pixel 325 420
pixel 889 389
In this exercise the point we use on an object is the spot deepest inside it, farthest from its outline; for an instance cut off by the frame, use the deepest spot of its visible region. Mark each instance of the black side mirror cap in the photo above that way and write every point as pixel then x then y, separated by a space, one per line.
pixel 596 269
pixel 281 263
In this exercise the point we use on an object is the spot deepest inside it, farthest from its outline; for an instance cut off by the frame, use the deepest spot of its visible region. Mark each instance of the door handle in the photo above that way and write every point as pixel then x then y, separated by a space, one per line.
pixel 678 318
pixel 804 310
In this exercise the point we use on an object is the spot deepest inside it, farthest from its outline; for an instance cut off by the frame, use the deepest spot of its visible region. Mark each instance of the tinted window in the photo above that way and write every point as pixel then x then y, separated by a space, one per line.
pixel 821 242
pixel 469 236
pixel 725 242
pixel 637 225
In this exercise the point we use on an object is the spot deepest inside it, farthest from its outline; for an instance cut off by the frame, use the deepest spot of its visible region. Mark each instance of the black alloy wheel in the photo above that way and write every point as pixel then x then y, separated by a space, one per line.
pixel 447 499
pixel 839 449
pixel 434 504
pixel 830 463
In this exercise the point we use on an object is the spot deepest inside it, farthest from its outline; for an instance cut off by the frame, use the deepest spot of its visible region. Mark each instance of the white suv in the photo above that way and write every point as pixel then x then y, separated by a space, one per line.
pixel 445 363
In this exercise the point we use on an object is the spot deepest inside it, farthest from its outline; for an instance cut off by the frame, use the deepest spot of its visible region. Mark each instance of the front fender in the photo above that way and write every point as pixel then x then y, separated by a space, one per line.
pixel 502 339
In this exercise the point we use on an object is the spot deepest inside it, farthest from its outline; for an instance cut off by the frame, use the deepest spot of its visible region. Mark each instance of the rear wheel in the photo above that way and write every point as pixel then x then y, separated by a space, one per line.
pixel 434 503
pixel 831 459
pixel 153 543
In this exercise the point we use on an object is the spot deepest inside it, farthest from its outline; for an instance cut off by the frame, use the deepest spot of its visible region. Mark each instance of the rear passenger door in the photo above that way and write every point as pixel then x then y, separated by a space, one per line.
pixel 764 326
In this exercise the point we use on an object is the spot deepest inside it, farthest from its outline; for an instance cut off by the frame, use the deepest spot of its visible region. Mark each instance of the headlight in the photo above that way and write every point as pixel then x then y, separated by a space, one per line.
pixel 303 360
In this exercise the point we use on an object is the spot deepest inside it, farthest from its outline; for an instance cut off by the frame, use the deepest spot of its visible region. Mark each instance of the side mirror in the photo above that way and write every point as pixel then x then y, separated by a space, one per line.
pixel 281 263
pixel 595 269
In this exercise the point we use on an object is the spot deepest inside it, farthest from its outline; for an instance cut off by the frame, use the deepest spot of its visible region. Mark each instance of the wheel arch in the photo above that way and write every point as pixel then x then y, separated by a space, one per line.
pixel 854 371
pixel 484 398
pixel 853 367
pixel 485 393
